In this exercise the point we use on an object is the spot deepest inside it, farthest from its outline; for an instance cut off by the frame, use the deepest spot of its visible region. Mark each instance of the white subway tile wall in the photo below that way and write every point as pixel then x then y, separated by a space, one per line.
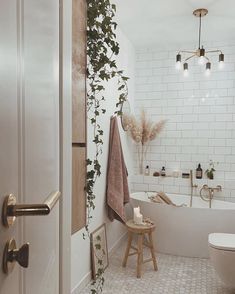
pixel 182 186
pixel 200 111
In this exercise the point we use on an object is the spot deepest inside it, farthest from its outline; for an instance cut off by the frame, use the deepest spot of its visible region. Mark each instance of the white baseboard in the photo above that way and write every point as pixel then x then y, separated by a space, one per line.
pixel 117 243
pixel 87 278
pixel 82 284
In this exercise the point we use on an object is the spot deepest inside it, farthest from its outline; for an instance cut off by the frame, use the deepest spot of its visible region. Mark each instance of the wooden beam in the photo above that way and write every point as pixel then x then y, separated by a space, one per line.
pixel 78 193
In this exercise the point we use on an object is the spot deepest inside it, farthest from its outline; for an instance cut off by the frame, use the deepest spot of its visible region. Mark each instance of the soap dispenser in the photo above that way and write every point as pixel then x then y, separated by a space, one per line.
pixel 199 172
pixel 147 170
pixel 163 171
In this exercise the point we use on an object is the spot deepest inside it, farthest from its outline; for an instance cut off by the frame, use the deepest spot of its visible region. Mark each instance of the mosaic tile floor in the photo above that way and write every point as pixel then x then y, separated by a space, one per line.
pixel 176 275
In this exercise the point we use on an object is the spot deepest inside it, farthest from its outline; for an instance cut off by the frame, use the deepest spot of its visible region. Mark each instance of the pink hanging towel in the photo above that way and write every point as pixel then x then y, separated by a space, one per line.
pixel 117 193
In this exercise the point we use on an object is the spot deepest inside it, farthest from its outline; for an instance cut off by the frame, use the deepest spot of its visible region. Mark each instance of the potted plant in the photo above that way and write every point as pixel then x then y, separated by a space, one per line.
pixel 210 171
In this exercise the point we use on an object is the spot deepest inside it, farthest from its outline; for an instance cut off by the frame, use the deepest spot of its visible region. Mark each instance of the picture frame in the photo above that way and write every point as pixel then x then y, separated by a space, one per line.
pixel 99 250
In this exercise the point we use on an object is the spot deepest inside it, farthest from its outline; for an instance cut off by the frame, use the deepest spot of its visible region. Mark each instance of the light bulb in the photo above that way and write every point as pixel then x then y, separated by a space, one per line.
pixel 186 73
pixel 201 60
pixel 207 72
pixel 221 65
pixel 178 65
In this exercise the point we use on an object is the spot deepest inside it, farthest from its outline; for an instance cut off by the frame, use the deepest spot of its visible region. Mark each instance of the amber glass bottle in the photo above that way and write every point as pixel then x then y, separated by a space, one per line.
pixel 199 172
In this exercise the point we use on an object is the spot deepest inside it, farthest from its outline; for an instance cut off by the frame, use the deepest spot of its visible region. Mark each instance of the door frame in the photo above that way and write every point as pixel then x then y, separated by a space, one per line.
pixel 65 144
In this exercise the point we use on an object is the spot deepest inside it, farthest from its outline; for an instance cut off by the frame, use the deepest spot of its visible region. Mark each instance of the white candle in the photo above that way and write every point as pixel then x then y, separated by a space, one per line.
pixel 136 210
pixel 138 217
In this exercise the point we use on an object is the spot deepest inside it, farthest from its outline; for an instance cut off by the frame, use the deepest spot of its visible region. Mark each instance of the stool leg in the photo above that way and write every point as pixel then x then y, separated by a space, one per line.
pixel 152 251
pixel 140 255
pixel 130 236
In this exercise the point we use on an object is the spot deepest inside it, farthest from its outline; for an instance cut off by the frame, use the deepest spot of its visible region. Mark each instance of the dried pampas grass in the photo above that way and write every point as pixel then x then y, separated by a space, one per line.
pixel 156 129
pixel 144 130
pixel 135 130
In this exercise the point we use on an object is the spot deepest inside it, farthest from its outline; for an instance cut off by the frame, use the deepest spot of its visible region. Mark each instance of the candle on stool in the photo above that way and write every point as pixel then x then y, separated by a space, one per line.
pixel 136 210
pixel 138 217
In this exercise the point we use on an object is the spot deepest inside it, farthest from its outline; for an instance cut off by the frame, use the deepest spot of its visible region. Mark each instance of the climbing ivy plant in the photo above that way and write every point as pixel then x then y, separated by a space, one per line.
pixel 102 50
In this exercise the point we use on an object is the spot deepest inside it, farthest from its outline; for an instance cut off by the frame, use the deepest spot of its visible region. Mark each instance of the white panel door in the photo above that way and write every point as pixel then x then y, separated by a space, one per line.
pixel 29 137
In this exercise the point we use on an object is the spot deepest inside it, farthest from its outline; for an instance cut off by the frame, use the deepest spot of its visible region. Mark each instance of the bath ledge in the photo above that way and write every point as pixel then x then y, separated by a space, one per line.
pixel 171 181
pixel 180 178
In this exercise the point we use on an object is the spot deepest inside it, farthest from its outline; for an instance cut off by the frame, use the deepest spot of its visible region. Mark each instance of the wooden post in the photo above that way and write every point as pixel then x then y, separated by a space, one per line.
pixel 130 237
pixel 140 255
pixel 152 251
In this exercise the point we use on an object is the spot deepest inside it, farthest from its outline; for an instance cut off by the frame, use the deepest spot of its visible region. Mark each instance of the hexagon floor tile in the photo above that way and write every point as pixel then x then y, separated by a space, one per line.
pixel 176 275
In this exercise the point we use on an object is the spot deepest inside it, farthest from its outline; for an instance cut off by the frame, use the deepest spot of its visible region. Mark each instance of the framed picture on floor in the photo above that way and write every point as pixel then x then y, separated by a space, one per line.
pixel 99 250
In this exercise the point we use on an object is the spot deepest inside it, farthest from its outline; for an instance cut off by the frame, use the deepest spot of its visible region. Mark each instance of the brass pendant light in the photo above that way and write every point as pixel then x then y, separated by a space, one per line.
pixel 200 53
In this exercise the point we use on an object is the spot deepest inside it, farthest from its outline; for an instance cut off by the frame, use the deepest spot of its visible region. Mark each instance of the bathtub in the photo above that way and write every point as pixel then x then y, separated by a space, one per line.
pixel 184 230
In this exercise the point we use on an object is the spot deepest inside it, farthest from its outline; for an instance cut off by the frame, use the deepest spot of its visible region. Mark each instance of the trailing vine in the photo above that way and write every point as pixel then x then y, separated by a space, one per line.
pixel 102 49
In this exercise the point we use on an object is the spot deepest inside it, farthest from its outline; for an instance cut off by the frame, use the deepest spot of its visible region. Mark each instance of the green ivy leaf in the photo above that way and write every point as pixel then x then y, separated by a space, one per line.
pixel 97 246
pixel 102 49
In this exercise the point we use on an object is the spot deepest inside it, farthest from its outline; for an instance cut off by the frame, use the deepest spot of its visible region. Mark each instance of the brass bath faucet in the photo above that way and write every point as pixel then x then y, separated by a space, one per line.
pixel 211 191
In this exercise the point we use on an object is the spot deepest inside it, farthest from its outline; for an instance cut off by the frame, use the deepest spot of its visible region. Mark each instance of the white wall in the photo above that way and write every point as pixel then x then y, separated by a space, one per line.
pixel 200 112
pixel 80 252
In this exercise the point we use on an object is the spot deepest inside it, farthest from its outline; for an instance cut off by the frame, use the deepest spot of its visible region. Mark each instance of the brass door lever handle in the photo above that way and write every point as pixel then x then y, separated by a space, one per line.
pixel 11 210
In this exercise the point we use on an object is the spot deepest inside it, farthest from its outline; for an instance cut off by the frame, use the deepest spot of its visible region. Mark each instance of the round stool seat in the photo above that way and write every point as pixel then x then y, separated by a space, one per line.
pixel 140 229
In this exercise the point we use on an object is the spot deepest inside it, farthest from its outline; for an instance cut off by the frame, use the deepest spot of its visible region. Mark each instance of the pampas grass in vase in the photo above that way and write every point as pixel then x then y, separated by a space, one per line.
pixel 143 131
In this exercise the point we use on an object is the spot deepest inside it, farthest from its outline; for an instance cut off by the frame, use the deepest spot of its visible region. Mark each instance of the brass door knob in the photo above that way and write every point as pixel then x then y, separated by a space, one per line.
pixel 12 255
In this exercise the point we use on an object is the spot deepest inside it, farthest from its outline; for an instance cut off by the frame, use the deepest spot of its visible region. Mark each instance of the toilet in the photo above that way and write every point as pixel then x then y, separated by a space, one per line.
pixel 222 255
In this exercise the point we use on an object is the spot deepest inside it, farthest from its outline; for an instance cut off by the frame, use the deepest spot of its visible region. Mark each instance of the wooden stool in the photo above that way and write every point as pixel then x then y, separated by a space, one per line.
pixel 140 230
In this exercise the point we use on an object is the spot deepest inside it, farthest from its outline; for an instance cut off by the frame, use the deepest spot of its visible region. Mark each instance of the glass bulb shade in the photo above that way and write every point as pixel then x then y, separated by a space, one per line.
pixel 201 60
pixel 178 65
pixel 208 72
pixel 221 65
pixel 186 73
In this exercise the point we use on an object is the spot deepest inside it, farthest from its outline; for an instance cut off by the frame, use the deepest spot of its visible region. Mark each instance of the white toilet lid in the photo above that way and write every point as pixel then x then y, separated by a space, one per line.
pixel 222 241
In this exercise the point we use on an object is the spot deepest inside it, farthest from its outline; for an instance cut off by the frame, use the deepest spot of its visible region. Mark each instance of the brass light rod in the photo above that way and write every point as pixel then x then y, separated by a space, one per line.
pixel 190 57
